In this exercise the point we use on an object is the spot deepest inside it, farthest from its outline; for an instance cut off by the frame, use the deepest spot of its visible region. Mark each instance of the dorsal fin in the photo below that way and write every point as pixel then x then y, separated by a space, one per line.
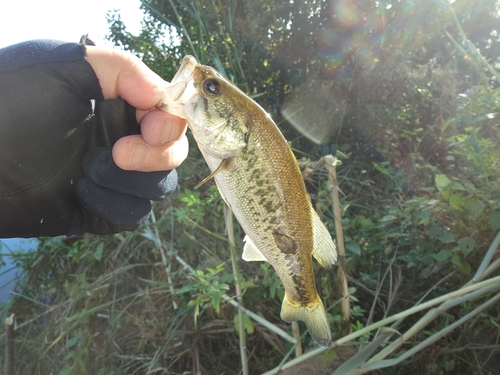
pixel 324 249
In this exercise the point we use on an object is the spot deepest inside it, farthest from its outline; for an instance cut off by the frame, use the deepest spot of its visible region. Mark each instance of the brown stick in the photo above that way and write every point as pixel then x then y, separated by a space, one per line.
pixel 296 336
pixel 331 163
pixel 9 346
pixel 239 293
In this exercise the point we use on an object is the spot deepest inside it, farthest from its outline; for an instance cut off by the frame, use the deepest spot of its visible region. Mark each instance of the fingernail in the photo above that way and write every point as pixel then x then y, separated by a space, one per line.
pixel 167 131
pixel 139 155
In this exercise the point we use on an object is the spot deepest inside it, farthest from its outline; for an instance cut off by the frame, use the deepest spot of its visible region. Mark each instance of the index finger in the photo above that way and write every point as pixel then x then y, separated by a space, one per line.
pixel 121 74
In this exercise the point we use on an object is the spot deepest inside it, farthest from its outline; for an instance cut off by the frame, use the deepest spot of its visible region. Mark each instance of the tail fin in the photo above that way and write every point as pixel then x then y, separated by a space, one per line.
pixel 313 315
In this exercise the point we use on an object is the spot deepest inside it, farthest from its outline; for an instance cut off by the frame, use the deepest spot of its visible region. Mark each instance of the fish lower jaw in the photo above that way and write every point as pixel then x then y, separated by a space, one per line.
pixel 176 109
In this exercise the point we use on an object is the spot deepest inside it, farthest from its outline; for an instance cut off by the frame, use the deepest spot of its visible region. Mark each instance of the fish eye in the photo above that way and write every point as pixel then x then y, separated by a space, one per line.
pixel 211 87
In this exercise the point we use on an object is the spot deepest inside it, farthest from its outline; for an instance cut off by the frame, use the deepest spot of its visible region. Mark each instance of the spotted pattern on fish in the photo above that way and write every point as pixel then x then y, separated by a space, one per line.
pixel 285 243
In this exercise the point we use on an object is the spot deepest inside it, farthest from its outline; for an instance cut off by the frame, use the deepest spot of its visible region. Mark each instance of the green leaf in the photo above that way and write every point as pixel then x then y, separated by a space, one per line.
pixel 470 187
pixel 457 186
pixel 196 313
pixel 435 231
pixel 447 238
pixel 495 220
pixel 98 252
pixel 442 256
pixel 329 356
pixel 353 247
pixel 475 207
pixel 186 288
pixel 388 218
pixel 457 201
pixel 247 323
pixel 272 290
pixel 364 222
pixel 72 342
pixel 216 301
pixel 281 293
pixel 446 194
pixel 494 323
pixel 442 181
pixel 462 265
pixel 466 245
pixel 81 278
pixel 449 365
pixel 455 259
pixel 382 168
pixel 424 216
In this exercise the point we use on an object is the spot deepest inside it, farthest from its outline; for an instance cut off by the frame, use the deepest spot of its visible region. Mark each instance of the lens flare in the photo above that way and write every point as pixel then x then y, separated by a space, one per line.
pixel 315 109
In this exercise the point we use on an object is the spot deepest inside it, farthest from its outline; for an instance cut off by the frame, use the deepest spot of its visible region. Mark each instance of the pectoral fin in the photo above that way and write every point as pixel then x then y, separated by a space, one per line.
pixel 251 253
pixel 324 249
pixel 225 164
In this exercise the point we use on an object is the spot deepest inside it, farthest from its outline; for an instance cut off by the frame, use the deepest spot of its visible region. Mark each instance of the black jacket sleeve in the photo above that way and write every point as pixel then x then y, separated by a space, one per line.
pixel 52 114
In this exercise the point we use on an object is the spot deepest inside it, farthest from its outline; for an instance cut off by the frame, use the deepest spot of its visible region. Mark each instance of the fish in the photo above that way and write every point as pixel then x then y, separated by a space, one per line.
pixel 258 177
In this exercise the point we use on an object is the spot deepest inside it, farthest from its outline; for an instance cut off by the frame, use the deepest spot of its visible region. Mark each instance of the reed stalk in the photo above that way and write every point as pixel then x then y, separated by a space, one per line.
pixel 331 164
pixel 239 294
pixel 8 368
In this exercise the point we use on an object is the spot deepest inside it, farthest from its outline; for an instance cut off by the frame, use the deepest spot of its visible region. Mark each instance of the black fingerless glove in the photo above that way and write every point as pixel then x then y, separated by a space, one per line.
pixel 57 175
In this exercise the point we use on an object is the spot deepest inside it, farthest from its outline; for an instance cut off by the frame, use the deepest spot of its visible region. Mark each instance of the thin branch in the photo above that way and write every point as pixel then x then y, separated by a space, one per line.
pixel 8 368
pixel 486 260
pixel 331 163
pixel 239 294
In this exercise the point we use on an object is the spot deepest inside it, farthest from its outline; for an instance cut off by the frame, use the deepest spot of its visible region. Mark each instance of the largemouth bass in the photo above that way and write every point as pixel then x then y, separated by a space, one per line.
pixel 258 177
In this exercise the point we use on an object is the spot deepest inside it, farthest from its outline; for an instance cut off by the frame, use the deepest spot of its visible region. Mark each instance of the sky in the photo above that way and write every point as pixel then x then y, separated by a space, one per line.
pixel 65 20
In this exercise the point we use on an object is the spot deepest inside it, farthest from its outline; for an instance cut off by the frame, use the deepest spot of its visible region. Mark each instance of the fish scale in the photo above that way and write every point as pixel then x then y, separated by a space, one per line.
pixel 274 210
pixel 258 177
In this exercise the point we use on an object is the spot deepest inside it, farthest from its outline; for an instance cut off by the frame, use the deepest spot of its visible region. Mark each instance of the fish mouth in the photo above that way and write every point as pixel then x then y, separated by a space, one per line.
pixel 181 89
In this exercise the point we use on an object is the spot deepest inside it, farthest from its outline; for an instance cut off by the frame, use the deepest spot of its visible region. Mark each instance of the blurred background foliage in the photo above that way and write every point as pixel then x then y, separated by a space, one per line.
pixel 393 86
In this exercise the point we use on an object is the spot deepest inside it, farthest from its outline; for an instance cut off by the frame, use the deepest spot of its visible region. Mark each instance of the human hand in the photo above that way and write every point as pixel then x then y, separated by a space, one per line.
pixel 58 128
pixel 162 144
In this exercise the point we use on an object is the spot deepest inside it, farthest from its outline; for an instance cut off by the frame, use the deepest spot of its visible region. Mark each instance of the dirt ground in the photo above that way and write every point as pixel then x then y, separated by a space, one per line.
pixel 315 366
